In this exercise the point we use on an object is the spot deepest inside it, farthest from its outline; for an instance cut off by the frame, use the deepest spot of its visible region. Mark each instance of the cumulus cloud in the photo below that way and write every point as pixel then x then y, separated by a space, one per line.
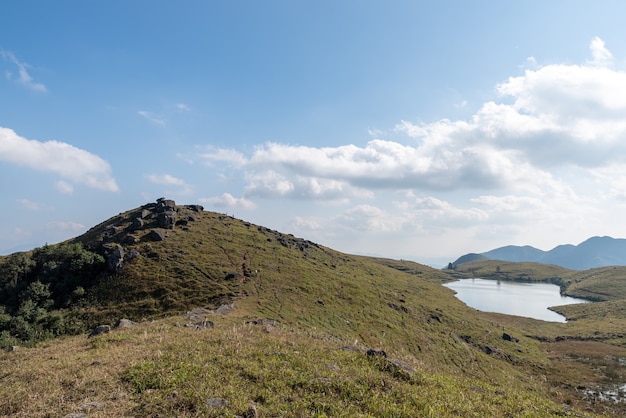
pixel 548 117
pixel 601 56
pixel 23 77
pixel 369 218
pixel 227 200
pixel 65 160
pixel 181 187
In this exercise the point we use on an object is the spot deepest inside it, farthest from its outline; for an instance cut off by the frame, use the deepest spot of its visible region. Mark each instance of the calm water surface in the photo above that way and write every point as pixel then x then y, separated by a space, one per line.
pixel 512 298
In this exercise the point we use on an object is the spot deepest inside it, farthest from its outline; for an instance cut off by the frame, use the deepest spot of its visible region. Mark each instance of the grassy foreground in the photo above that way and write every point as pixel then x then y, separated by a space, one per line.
pixel 161 369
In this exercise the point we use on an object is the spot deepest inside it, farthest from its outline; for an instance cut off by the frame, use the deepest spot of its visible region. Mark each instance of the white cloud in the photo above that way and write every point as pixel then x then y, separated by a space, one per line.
pixel 181 187
pixel 601 56
pixel 157 120
pixel 551 116
pixel 227 200
pixel 182 107
pixel 64 187
pixel 369 218
pixel 65 160
pixel 30 205
pixel 23 76
pixel 66 226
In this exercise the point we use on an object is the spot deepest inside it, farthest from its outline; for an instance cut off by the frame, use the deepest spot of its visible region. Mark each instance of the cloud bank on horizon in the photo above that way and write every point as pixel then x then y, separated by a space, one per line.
pixel 546 153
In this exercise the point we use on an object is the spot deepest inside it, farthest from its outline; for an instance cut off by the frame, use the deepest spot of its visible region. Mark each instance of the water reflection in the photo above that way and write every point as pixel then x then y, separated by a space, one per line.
pixel 513 298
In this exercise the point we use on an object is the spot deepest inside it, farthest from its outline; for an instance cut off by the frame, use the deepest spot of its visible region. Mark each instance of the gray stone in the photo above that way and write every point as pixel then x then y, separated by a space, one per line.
pixel 216 403
pixel 132 254
pixel 125 323
pixel 100 329
pixel 115 257
pixel 226 308
pixel 167 219
pixel 195 208
pixel 90 406
pixel 157 235
pixel 251 412
pixel 136 224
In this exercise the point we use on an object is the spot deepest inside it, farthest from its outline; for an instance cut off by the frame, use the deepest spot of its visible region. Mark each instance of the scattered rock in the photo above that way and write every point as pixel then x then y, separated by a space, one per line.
pixel 164 204
pixel 124 323
pixel 376 353
pixel 200 325
pixel 405 367
pixel 216 403
pixel 195 208
pixel 136 224
pixel 157 235
pixel 226 308
pixel 198 314
pixel 507 337
pixel 251 412
pixel 435 317
pixel 265 321
pixel 100 329
pixel 114 256
pixel 132 254
pixel 14 348
pixel 130 239
pixel 90 406
pixel 234 275
pixel 167 219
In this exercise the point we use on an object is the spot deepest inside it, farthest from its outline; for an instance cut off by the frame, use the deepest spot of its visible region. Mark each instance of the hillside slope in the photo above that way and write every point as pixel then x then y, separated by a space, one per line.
pixel 285 326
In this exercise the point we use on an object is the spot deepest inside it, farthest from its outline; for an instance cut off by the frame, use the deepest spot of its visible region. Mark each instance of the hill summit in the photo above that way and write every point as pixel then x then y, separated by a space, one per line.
pixel 592 253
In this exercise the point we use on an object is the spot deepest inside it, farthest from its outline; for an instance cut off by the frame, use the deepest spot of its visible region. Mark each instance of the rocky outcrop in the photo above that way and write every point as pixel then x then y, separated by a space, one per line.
pixel 167 219
pixel 114 254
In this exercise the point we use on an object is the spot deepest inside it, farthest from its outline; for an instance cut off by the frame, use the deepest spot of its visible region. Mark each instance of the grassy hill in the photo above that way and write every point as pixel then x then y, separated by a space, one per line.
pixel 286 328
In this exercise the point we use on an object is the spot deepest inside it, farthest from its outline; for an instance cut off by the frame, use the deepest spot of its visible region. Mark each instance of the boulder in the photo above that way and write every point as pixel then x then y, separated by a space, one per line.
pixel 195 208
pixel 157 235
pixel 132 254
pixel 100 329
pixel 376 353
pixel 167 219
pixel 124 323
pixel 114 256
pixel 164 205
pixel 136 224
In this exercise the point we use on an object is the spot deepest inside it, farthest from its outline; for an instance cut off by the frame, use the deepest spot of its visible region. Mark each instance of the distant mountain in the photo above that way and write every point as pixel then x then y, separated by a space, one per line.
pixel 592 253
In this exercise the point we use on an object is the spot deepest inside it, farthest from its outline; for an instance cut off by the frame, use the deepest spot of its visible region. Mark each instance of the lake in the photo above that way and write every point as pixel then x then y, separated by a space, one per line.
pixel 513 298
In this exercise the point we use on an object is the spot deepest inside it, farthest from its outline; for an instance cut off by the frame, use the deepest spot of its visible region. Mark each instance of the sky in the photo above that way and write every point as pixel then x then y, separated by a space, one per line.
pixel 416 130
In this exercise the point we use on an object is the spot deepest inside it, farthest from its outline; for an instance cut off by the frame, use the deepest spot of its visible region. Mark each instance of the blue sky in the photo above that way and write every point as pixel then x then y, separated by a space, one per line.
pixel 415 130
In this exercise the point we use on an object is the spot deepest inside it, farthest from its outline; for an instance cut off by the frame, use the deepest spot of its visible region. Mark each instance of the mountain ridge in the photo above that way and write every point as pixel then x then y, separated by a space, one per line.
pixel 595 252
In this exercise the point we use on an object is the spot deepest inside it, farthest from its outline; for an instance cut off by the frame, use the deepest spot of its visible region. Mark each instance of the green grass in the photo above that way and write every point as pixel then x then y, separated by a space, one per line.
pixel 321 300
